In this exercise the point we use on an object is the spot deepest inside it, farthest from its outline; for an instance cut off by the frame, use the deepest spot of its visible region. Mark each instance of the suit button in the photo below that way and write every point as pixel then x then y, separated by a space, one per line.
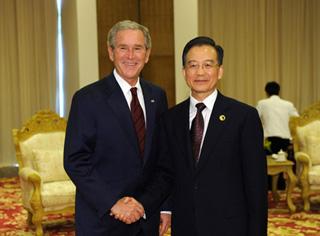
pixel 196 187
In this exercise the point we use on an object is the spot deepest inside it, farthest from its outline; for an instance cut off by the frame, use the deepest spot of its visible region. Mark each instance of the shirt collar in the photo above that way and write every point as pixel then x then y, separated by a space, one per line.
pixel 275 96
pixel 208 101
pixel 124 85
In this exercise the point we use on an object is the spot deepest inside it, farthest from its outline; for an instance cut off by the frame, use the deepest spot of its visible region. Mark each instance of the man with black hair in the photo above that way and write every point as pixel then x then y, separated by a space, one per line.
pixel 210 156
pixel 275 113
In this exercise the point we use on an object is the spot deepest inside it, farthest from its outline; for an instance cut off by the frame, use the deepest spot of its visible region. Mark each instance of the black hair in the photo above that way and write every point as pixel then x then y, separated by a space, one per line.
pixel 272 88
pixel 200 41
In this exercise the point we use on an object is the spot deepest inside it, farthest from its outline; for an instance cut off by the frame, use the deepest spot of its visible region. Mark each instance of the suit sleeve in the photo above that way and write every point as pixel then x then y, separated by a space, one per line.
pixel 79 151
pixel 255 173
pixel 158 188
pixel 167 204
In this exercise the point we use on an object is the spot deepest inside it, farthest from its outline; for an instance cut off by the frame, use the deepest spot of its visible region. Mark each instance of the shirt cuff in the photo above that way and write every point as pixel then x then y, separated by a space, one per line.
pixel 166 212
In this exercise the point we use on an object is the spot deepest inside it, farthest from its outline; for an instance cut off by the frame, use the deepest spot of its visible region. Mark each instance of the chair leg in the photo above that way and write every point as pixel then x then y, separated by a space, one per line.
pixel 36 220
pixel 305 195
pixel 304 181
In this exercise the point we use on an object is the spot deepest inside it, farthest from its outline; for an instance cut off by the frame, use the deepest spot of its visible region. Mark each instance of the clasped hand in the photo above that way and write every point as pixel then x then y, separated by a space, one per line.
pixel 127 210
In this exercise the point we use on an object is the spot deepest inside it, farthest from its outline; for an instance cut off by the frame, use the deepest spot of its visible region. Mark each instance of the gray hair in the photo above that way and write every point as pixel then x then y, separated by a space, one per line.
pixel 128 24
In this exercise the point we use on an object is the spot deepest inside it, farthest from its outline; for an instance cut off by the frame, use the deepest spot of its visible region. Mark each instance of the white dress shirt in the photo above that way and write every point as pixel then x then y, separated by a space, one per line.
pixel 206 112
pixel 125 87
pixel 275 113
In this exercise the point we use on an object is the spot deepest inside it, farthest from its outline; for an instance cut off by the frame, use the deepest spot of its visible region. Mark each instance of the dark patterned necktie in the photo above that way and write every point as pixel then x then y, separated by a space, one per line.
pixel 196 131
pixel 138 119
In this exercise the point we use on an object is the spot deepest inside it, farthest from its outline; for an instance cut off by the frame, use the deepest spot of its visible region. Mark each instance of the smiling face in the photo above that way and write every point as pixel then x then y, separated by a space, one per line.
pixel 129 54
pixel 202 71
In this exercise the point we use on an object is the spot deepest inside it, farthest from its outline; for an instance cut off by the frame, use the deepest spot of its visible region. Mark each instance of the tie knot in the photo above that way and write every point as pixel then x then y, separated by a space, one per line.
pixel 200 106
pixel 133 91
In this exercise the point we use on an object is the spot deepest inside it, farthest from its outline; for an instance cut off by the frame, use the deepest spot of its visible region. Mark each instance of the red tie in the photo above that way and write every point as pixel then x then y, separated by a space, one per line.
pixel 138 119
pixel 196 131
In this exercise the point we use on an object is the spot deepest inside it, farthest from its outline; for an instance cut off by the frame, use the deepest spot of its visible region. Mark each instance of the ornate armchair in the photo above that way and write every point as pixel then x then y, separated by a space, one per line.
pixel 46 188
pixel 305 131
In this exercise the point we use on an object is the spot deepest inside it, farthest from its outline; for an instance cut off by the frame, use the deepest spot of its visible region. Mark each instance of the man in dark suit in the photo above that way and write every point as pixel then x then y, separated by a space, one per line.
pixel 211 156
pixel 109 135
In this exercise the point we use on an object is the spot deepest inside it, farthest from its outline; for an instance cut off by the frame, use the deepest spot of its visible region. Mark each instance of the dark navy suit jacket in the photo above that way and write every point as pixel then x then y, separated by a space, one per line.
pixel 102 155
pixel 225 194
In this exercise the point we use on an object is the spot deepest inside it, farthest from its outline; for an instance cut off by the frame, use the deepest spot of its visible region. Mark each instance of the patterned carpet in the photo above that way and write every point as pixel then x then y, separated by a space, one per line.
pixel 281 223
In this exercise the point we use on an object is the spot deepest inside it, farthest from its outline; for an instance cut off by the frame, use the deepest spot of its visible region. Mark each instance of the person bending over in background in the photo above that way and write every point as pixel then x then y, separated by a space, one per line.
pixel 275 113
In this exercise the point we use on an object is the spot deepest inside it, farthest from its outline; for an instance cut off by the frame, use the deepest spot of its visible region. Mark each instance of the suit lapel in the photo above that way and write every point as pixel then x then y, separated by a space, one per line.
pixel 216 125
pixel 150 106
pixel 119 106
pixel 183 133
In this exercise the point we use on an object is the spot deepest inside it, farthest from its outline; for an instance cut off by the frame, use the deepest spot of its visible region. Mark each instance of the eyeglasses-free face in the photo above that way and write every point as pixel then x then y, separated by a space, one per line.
pixel 129 54
pixel 202 71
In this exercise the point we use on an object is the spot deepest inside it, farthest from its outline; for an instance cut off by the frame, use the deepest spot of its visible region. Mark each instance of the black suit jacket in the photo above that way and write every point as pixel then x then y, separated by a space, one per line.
pixel 102 155
pixel 225 194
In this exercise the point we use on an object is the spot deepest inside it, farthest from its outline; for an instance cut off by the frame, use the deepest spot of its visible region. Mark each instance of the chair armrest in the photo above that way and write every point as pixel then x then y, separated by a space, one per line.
pixel 303 158
pixel 30 184
pixel 303 165
pixel 30 175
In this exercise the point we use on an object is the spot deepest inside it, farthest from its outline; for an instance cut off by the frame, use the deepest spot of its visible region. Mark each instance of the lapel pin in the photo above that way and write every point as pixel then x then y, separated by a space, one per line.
pixel 222 118
pixel 152 100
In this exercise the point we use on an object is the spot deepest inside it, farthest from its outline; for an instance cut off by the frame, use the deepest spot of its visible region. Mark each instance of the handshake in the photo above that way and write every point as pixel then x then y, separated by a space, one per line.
pixel 127 210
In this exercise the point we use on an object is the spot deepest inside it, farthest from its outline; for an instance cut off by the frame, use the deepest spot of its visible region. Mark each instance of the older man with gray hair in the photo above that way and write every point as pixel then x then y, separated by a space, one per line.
pixel 109 136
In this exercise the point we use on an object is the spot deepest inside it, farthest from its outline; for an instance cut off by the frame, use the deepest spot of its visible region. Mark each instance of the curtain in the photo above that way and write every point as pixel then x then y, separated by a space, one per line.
pixel 27 65
pixel 266 40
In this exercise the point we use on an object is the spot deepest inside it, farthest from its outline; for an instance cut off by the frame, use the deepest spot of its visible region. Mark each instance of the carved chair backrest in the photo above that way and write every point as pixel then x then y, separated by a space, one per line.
pixel 45 130
pixel 305 127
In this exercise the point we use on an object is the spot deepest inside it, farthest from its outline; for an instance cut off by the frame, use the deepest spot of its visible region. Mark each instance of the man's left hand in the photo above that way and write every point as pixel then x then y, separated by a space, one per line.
pixel 165 223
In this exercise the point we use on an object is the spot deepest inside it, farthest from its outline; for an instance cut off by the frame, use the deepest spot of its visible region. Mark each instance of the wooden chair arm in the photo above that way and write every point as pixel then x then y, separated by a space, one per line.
pixel 32 178
pixel 303 160
pixel 30 175
pixel 303 165
pixel 302 157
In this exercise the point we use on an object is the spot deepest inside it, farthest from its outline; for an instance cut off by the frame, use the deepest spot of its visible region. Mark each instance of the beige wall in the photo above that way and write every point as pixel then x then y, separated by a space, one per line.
pixel 88 44
pixel 79 27
pixel 185 28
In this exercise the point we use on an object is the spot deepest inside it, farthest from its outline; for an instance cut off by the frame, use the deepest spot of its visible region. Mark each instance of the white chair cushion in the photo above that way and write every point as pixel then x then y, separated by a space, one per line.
pixel 50 140
pixel 313 149
pixel 312 129
pixel 314 175
pixel 49 164
pixel 58 195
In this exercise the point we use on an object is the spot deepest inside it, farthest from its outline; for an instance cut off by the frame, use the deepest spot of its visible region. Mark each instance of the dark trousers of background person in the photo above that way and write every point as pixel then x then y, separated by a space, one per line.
pixel 278 144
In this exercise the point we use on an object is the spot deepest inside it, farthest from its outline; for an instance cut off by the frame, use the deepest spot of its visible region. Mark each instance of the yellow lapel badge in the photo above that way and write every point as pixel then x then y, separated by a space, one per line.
pixel 222 117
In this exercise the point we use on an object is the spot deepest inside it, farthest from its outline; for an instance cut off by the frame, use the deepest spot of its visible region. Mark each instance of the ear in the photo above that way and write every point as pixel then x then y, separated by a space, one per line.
pixel 184 72
pixel 147 55
pixel 220 72
pixel 110 52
